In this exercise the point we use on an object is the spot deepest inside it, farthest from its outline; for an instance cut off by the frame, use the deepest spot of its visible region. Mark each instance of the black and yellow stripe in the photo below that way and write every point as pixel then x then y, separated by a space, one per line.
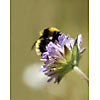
pixel 46 35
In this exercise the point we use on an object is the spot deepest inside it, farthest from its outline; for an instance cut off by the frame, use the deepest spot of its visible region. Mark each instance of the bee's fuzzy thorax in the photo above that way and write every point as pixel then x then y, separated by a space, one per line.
pixel 46 35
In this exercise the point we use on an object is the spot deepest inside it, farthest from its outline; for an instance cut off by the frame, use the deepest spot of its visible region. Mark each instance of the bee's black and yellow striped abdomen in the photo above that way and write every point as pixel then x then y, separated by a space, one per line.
pixel 46 35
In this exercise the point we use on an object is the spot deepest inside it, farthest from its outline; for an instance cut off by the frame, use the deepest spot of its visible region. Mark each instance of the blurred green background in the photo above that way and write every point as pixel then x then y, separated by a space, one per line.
pixel 28 17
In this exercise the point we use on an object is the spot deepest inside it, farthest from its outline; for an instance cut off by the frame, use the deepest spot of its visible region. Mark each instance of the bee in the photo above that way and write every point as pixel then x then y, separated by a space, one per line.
pixel 46 35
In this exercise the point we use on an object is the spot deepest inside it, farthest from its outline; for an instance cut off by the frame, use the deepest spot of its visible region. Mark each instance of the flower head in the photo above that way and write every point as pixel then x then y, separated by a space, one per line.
pixel 61 56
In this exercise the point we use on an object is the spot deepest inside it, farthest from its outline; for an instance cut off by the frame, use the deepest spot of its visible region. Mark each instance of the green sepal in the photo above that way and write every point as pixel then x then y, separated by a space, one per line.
pixel 66 68
pixel 62 70
pixel 75 54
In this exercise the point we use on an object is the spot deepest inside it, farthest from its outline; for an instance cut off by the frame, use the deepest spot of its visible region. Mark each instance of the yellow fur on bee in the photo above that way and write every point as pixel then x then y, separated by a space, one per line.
pixel 41 32
pixel 37 46
pixel 52 29
pixel 38 51
pixel 38 42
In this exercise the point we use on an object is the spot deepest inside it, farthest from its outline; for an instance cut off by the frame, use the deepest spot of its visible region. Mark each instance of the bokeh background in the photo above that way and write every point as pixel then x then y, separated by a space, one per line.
pixel 28 17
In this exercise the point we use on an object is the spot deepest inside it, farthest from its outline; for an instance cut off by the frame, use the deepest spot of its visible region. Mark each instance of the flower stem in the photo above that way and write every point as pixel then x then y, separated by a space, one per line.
pixel 81 74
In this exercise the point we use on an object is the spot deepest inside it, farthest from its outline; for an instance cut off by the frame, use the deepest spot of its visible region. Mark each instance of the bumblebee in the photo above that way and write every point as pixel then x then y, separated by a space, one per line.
pixel 46 35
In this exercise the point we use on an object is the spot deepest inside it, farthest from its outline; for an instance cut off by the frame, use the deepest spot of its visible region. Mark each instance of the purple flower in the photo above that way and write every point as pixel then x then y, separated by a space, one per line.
pixel 61 57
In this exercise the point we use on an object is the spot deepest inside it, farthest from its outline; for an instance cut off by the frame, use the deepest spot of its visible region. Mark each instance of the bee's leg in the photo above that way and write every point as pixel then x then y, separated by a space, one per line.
pixel 33 45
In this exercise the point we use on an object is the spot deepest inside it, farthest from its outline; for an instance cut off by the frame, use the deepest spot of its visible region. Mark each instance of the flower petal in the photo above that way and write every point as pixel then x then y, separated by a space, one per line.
pixel 79 42
pixel 62 40
pixel 70 42
pixel 54 50
pixel 45 55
